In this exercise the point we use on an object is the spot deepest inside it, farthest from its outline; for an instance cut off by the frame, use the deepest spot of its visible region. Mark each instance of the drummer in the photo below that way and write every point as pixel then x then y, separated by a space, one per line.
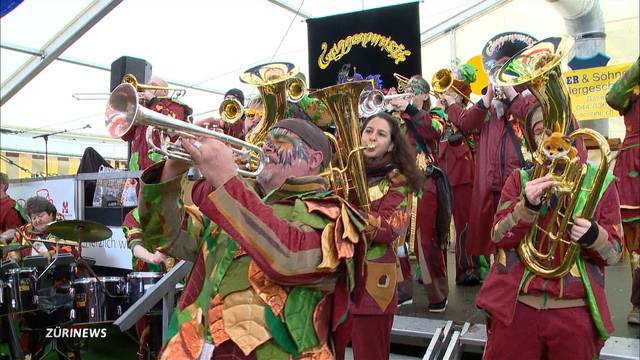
pixel 42 213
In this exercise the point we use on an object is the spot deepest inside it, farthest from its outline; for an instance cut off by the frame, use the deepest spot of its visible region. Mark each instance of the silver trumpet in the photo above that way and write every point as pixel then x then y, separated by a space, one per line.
pixel 123 112
pixel 374 101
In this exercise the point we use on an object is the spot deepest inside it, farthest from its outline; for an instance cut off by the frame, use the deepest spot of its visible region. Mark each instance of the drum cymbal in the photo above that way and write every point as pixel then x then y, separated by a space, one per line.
pixel 12 247
pixel 59 241
pixel 80 230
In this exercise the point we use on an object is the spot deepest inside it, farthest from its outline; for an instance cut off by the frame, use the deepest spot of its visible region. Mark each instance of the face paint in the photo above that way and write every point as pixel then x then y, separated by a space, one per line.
pixel 287 149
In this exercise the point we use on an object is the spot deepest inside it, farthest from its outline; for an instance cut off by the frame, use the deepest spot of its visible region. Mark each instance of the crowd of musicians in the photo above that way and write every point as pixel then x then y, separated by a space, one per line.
pixel 308 256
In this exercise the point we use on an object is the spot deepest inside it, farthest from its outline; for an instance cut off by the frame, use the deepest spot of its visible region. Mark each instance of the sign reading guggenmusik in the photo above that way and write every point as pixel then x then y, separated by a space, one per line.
pixel 398 52
pixel 588 89
pixel 371 44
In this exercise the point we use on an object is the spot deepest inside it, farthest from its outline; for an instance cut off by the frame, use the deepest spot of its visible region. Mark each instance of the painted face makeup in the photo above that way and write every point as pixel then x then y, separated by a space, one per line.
pixel 286 148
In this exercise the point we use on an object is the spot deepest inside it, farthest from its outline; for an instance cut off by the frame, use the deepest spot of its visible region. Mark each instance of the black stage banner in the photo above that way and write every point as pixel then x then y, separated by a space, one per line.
pixel 376 42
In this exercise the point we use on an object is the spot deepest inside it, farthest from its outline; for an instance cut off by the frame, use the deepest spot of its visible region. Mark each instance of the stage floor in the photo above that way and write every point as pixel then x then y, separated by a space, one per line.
pixel 462 308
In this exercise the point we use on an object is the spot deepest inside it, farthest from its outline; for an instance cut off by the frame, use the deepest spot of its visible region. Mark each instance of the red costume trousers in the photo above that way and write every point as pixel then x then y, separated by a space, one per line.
pixel 370 336
pixel 543 334
pixel 431 257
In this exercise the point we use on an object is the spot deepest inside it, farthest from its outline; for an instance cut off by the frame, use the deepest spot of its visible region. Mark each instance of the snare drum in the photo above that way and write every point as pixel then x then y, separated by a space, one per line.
pixel 92 303
pixel 139 282
pixel 20 290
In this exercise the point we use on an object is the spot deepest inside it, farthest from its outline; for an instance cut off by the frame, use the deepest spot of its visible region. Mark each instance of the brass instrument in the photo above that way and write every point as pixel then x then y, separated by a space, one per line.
pixel 342 102
pixel 538 67
pixel 231 110
pixel 131 79
pixel 402 82
pixel 124 112
pixel 276 83
pixel 374 101
pixel 442 81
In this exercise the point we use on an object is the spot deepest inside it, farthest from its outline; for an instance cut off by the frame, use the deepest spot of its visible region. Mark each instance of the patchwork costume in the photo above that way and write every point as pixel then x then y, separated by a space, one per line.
pixel 272 272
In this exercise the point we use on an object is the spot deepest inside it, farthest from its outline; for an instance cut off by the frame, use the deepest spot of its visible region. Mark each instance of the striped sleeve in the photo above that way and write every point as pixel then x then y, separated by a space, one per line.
pixel 513 220
pixel 288 253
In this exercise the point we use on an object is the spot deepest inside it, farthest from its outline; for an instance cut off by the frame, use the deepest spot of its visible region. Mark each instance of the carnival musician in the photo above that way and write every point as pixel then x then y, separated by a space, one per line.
pixel 456 158
pixel 499 149
pixel 392 177
pixel 624 96
pixel 424 130
pixel 549 317
pixel 267 273
pixel 42 213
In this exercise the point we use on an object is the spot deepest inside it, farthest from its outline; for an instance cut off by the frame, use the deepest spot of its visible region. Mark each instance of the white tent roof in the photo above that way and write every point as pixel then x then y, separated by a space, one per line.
pixel 199 43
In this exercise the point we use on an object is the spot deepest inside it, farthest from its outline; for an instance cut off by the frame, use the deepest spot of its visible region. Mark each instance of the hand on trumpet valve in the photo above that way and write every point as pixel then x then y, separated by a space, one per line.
pixel 214 159
pixel 400 103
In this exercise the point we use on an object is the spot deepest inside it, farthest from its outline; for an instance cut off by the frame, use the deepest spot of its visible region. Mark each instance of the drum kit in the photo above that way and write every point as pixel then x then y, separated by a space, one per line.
pixel 40 288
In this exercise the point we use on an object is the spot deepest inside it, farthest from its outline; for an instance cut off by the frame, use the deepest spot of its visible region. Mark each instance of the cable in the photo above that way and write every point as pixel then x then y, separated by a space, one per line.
pixel 288 28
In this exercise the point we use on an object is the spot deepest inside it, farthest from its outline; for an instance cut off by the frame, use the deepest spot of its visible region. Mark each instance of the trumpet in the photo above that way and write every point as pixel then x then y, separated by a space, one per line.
pixel 442 81
pixel 123 112
pixel 231 110
pixel 374 101
pixel 131 79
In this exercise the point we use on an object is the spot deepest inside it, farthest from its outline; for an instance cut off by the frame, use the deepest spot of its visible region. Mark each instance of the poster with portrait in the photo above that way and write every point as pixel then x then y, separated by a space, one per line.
pixel 371 44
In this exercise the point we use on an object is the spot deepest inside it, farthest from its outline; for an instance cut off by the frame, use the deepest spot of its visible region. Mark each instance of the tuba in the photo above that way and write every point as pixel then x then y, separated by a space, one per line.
pixel 342 102
pixel 277 84
pixel 123 112
pixel 544 251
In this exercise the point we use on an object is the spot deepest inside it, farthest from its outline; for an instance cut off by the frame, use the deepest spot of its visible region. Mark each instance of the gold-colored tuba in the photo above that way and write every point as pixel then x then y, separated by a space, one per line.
pixel 342 101
pixel 123 112
pixel 547 252
pixel 277 84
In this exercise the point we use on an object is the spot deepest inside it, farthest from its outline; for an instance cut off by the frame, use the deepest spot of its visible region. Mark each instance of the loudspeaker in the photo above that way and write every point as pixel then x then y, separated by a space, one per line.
pixel 139 68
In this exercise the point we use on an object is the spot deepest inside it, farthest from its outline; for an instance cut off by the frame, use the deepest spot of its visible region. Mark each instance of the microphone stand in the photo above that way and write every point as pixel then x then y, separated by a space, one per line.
pixel 46 144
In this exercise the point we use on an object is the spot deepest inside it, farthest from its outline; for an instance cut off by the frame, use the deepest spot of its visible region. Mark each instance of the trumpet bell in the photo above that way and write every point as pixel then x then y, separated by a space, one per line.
pixel 442 80
pixel 231 110
pixel 122 109
pixel 296 90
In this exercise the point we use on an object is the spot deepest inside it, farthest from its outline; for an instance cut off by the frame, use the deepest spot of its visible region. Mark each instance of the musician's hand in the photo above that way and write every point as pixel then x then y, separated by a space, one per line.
pixel 392 91
pixel 579 228
pixel 534 189
pixel 400 104
pixel 213 158
pixel 510 92
pixel 209 123
pixel 488 96
pixel 158 258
